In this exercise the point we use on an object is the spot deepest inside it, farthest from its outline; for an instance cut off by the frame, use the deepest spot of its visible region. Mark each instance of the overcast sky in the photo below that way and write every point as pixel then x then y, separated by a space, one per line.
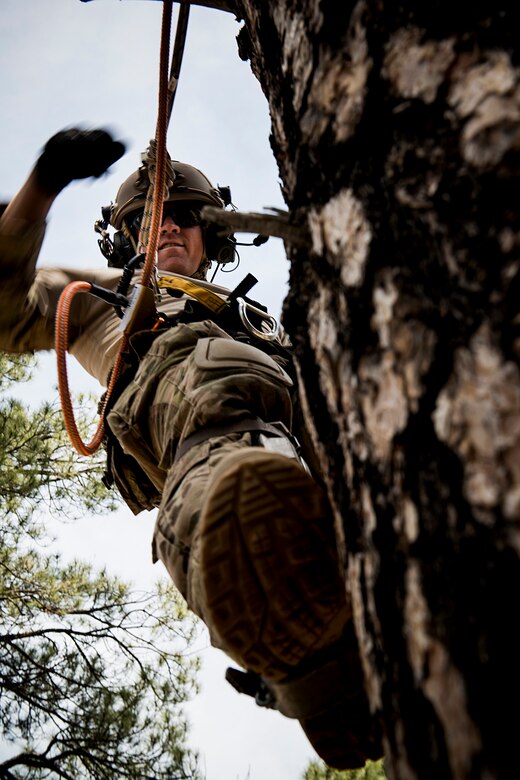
pixel 68 63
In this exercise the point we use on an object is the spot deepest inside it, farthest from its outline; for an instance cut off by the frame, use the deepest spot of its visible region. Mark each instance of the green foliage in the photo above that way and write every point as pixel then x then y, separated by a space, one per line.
pixel 373 770
pixel 92 676
pixel 37 462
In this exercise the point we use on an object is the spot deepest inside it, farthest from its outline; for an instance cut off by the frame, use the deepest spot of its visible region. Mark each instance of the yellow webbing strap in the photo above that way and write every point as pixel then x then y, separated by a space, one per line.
pixel 210 299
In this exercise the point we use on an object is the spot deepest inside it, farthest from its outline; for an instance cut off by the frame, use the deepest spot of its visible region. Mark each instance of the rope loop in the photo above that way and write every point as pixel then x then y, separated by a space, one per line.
pixel 61 345
pixel 149 168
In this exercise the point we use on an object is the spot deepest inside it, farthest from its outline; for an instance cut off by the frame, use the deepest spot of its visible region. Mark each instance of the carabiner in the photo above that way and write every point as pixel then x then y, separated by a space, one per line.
pixel 268 335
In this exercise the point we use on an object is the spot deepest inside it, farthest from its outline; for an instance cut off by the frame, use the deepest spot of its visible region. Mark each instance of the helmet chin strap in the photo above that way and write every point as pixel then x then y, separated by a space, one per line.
pixel 202 270
pixel 128 235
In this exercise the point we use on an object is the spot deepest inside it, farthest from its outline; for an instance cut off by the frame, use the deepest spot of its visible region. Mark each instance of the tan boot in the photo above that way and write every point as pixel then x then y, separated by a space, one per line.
pixel 275 600
pixel 268 563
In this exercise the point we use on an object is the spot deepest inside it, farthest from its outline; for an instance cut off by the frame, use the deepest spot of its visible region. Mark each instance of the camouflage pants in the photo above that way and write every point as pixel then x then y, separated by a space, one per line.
pixel 193 377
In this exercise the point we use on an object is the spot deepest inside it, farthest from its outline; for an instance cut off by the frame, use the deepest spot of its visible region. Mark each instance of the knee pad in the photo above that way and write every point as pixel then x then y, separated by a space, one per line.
pixel 227 354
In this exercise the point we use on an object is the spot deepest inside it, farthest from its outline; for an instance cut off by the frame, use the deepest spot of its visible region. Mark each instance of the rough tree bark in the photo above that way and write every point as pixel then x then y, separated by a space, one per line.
pixel 396 127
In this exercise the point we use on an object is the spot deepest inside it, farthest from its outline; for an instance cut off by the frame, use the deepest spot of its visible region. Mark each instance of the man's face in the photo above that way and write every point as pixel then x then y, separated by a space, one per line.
pixel 181 243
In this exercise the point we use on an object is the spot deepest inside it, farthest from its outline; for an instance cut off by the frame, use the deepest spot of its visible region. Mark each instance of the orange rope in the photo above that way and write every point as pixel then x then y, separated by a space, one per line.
pixel 61 344
pixel 160 137
pixel 67 295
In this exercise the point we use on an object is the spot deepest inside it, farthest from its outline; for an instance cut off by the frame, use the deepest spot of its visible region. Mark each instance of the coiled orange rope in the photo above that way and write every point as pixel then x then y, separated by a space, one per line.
pixel 61 345
pixel 65 301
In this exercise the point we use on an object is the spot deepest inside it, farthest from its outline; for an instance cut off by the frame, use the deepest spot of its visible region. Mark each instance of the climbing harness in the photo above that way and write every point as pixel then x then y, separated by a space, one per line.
pixel 150 227
pixel 270 329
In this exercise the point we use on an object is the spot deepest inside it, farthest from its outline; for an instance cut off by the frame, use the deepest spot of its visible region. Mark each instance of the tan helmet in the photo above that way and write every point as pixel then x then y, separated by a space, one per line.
pixel 189 184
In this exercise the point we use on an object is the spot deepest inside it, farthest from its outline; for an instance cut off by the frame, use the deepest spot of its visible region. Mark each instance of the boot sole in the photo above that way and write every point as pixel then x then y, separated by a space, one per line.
pixel 269 564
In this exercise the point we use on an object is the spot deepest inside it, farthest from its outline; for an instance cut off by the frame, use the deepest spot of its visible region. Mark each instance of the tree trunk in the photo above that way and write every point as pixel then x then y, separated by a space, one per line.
pixel 396 127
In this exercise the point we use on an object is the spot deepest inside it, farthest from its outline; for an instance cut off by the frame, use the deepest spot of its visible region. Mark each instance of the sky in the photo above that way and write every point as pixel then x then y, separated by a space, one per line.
pixel 67 63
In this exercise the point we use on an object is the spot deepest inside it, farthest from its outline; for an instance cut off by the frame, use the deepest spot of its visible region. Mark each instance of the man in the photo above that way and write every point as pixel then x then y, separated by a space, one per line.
pixel 200 428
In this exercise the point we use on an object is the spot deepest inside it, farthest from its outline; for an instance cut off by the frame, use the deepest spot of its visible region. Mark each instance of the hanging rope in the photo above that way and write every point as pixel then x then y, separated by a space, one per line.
pixel 151 159
pixel 157 186
pixel 160 177
pixel 61 345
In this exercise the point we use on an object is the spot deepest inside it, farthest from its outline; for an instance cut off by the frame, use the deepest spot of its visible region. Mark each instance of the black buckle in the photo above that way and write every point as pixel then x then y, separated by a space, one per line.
pixel 252 684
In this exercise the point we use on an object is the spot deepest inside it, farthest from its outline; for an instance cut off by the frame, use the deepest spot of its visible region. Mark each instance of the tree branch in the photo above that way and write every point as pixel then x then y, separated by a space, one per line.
pixel 277 224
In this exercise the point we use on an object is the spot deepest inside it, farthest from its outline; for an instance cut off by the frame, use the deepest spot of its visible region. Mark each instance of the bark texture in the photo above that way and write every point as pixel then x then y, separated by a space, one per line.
pixel 396 127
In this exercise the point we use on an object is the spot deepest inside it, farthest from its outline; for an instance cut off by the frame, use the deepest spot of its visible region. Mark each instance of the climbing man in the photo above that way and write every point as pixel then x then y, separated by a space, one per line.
pixel 201 426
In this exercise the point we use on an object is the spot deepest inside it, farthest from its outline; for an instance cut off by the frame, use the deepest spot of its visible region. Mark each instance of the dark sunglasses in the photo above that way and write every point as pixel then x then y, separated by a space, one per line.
pixel 183 216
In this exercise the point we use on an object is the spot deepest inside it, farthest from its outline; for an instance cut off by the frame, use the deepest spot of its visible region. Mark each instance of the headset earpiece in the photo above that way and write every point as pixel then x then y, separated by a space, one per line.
pixel 226 252
pixel 122 251
pixel 220 249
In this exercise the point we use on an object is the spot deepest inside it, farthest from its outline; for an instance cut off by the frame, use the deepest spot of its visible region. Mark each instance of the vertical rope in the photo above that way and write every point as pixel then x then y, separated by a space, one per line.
pixel 150 159
pixel 159 181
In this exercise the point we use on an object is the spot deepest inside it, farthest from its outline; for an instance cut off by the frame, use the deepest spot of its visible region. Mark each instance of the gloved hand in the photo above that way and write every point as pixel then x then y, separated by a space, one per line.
pixel 76 154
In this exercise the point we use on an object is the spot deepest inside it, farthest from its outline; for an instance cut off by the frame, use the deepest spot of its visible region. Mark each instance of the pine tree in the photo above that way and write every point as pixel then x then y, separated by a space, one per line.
pixel 92 676
pixel 395 127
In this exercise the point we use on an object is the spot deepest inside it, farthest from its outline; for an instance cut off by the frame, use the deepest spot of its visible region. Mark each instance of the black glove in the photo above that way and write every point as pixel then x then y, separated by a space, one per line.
pixel 76 154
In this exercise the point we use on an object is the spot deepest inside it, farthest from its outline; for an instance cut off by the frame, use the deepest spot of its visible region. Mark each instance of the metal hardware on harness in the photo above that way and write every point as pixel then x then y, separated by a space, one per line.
pixel 281 445
pixel 269 335
pixel 252 684
pixel 282 441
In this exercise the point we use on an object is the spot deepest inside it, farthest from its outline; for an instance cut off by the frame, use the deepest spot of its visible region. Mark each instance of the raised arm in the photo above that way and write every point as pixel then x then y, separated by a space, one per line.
pixel 28 297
